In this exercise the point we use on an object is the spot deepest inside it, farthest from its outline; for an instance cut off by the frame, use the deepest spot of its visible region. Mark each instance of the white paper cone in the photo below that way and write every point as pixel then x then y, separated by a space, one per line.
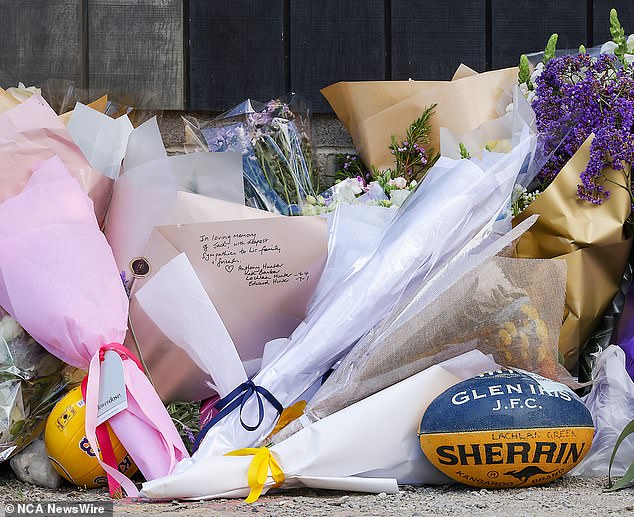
pixel 191 321
pixel 376 435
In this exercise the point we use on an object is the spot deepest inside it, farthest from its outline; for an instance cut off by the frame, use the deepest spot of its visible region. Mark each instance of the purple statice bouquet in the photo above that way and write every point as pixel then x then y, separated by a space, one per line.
pixel 598 95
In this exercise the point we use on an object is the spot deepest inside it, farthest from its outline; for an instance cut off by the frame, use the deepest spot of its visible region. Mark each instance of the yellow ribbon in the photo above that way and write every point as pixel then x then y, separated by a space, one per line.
pixel 263 461
pixel 288 415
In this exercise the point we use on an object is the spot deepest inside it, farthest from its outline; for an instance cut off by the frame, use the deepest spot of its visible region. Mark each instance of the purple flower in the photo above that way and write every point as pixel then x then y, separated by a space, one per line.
pixel 575 97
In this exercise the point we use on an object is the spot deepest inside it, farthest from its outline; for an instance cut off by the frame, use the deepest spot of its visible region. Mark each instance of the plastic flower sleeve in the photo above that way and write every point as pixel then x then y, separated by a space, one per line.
pixel 611 403
pixel 275 142
pixel 31 380
pixel 427 233
pixel 612 329
pixel 354 231
pixel 506 307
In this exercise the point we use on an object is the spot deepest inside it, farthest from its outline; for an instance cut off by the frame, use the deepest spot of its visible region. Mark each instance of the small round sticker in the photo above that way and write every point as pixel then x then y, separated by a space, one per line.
pixel 140 267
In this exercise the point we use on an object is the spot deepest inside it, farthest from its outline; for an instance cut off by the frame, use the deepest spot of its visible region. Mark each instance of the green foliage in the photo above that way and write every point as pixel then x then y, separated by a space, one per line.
pixel 629 474
pixel 618 36
pixel 551 47
pixel 524 75
pixel 582 49
pixel 186 418
pixel 412 156
pixel 464 153
pixel 410 163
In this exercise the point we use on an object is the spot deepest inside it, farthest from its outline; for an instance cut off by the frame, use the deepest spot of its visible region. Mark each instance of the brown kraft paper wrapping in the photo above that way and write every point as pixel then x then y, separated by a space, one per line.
pixel 593 241
pixel 374 111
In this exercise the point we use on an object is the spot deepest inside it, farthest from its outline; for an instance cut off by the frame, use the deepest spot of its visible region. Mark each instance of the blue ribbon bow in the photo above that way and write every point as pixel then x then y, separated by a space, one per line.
pixel 239 397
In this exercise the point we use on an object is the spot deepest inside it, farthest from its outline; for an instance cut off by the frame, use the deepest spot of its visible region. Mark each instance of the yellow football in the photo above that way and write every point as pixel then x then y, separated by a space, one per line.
pixel 69 450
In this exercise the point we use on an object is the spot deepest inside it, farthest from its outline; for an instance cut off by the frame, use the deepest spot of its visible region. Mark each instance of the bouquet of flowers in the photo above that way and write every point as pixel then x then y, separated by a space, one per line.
pixel 388 187
pixel 274 139
pixel 584 110
pixel 79 313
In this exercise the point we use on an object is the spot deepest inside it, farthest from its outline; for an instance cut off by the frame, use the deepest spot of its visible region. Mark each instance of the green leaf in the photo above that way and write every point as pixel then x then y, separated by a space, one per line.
pixel 524 75
pixel 582 49
pixel 551 46
pixel 629 474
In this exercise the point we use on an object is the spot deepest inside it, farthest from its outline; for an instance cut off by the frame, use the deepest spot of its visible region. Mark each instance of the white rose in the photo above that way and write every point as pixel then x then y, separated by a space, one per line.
pixel 399 182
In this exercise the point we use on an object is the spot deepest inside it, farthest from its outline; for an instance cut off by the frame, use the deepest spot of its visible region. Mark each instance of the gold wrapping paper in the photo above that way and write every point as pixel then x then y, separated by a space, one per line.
pixel 593 241
pixel 7 101
pixel 374 111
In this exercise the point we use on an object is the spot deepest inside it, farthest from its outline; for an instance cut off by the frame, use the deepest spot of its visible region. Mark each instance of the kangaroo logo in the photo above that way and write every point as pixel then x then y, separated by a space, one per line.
pixel 527 472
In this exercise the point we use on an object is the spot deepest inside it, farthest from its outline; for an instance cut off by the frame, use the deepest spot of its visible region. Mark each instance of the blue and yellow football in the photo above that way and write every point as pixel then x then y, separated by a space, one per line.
pixel 506 428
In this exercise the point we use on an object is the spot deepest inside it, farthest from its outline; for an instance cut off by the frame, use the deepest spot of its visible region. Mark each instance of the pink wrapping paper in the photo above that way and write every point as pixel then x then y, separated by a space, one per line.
pixel 59 280
pixel 31 132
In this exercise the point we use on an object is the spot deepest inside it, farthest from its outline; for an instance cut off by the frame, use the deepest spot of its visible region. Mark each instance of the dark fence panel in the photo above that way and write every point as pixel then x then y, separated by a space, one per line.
pixel 211 54
pixel 236 51
pixel 525 26
pixel 430 39
pixel 601 18
pixel 40 39
pixel 137 48
pixel 322 33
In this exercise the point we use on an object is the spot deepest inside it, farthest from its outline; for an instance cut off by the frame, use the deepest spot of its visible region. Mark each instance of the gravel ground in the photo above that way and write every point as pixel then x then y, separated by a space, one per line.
pixel 569 496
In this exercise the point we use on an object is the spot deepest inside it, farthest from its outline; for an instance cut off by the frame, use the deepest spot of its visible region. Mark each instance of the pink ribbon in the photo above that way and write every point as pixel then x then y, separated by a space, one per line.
pixel 144 408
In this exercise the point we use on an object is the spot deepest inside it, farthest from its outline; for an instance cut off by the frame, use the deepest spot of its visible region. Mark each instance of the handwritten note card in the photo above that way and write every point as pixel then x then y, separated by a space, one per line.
pixel 260 274
pixel 235 253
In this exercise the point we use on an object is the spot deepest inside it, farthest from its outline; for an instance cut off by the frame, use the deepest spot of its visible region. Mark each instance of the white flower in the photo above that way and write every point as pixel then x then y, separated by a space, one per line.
pixel 348 190
pixel 10 329
pixel 630 42
pixel 629 58
pixel 398 183
pixel 398 197
pixel 539 68
pixel 518 192
pixel 309 210
pixel 498 146
pixel 608 47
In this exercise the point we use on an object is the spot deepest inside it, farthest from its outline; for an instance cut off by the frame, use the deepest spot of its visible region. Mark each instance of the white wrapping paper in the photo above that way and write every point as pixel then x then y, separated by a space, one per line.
pixel 192 322
pixel 370 446
pixel 457 201
pixel 102 139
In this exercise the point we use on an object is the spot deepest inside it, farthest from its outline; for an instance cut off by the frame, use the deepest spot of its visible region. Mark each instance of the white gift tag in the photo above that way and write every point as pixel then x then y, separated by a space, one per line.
pixel 112 394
